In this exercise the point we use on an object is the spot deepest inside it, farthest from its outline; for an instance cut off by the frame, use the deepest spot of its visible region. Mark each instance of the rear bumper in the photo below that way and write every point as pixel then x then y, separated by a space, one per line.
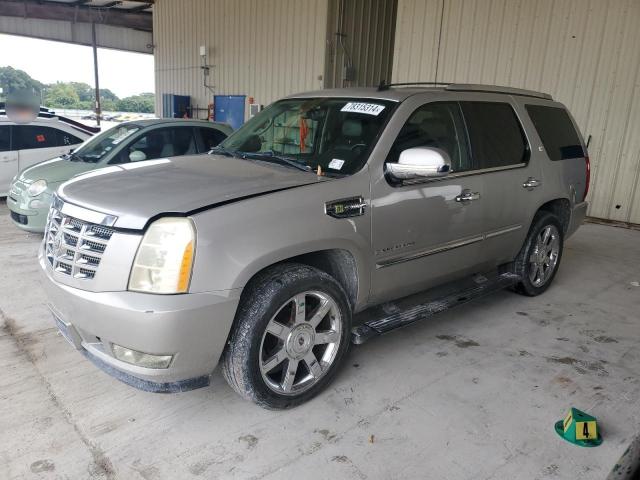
pixel 192 328
pixel 577 217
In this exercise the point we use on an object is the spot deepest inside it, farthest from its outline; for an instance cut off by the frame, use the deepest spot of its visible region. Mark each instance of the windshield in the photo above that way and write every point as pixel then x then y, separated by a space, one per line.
pixel 335 134
pixel 96 148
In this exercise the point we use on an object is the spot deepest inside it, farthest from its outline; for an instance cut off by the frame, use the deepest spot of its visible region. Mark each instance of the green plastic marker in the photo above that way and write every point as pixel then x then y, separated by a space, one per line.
pixel 579 428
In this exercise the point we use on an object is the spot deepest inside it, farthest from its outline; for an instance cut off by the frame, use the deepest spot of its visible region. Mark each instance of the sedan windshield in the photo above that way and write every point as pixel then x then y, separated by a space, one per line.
pixel 96 148
pixel 335 134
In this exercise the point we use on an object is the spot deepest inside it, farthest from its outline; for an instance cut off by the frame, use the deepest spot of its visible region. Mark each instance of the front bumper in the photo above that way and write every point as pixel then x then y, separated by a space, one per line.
pixel 26 217
pixel 191 327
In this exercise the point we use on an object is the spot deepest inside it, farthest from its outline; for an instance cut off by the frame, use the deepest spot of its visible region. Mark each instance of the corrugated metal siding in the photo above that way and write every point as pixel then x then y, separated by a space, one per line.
pixel 261 48
pixel 369 30
pixel 107 36
pixel 586 53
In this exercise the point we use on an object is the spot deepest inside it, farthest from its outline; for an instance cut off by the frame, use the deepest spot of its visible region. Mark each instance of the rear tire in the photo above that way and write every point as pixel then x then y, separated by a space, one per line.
pixel 290 334
pixel 539 260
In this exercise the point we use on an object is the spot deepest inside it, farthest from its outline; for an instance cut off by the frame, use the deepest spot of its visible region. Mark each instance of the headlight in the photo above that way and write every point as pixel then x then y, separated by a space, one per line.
pixel 165 257
pixel 37 187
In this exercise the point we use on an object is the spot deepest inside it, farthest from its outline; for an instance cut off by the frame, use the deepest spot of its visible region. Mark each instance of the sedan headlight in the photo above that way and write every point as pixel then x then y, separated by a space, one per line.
pixel 165 257
pixel 37 187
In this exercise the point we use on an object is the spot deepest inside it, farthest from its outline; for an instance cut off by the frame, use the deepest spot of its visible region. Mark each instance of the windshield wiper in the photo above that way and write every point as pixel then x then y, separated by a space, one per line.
pixel 223 151
pixel 71 156
pixel 276 158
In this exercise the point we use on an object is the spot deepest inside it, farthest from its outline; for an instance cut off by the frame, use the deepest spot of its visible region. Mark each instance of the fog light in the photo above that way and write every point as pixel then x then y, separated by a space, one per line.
pixel 141 359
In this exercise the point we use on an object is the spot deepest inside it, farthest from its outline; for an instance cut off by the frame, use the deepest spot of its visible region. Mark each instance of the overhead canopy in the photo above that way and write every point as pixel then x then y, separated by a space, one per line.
pixel 122 25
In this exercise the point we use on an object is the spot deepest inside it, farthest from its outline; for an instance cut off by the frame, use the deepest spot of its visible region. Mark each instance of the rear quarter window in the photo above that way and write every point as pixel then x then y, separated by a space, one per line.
pixel 495 134
pixel 556 131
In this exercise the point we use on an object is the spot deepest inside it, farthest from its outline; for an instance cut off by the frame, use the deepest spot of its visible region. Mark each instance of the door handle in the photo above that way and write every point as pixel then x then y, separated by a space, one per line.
pixel 467 196
pixel 531 183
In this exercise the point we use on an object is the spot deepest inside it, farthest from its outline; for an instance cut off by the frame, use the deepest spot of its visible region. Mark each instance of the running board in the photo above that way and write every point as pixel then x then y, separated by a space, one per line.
pixel 408 310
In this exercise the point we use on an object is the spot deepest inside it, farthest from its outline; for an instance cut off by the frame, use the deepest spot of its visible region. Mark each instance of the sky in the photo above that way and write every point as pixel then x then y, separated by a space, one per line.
pixel 124 73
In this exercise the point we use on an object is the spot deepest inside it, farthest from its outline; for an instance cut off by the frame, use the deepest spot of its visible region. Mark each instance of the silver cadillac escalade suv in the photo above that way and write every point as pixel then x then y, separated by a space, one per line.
pixel 327 219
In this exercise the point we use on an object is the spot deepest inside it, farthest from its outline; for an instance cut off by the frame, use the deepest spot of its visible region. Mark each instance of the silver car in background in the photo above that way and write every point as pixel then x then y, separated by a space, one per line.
pixel 329 218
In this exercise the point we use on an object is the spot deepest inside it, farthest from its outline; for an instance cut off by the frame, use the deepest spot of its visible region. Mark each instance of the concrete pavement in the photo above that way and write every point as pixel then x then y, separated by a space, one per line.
pixel 470 394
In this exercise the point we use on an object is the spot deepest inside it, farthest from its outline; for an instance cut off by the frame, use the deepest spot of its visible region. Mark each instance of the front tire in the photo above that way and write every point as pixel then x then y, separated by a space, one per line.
pixel 538 261
pixel 291 332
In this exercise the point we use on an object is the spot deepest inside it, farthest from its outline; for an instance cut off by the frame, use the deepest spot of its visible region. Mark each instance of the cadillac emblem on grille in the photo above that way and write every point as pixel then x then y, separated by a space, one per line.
pixel 73 246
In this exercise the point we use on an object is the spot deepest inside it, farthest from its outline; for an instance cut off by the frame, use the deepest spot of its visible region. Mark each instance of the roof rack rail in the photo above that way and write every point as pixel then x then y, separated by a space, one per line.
pixel 470 87
pixel 78 125
pixel 48 113
pixel 473 87
pixel 385 86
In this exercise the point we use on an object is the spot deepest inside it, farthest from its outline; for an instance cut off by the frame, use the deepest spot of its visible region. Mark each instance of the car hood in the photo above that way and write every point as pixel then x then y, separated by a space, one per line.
pixel 137 192
pixel 55 170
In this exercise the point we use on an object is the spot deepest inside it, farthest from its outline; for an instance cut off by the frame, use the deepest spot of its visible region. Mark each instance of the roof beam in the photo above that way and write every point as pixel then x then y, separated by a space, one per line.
pixel 80 13
pixel 140 8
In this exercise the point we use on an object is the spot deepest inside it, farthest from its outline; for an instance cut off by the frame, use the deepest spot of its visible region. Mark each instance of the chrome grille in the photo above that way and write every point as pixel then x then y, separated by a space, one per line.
pixel 74 247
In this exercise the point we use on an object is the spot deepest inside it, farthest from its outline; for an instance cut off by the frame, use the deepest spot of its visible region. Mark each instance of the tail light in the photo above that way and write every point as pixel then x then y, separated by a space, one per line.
pixel 587 180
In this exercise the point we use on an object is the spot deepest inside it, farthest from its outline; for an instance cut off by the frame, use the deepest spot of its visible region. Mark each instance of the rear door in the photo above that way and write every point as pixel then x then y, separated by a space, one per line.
pixel 8 160
pixel 37 143
pixel 513 183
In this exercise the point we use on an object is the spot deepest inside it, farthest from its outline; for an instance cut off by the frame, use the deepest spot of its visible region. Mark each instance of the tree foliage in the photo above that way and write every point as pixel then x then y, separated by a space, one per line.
pixel 143 103
pixel 61 95
pixel 73 95
pixel 12 80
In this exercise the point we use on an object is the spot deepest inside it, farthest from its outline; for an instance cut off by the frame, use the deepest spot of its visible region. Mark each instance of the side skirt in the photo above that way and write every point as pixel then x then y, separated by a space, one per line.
pixel 390 316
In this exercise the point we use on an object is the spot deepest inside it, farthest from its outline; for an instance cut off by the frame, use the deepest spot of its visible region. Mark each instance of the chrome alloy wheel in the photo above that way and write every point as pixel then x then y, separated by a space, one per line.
pixel 544 257
pixel 300 343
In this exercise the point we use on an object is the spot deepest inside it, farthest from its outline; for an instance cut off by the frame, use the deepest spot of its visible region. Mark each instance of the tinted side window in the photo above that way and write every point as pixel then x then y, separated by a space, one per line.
pixel 496 137
pixel 437 125
pixel 27 137
pixel 210 138
pixel 159 143
pixel 5 138
pixel 554 126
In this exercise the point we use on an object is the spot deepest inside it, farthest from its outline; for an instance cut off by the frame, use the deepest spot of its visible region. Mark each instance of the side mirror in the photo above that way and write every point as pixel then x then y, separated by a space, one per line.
pixel 137 156
pixel 420 162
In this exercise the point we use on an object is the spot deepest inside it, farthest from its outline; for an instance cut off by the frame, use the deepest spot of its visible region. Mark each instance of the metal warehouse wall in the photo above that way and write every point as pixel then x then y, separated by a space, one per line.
pixel 586 53
pixel 260 48
pixel 368 29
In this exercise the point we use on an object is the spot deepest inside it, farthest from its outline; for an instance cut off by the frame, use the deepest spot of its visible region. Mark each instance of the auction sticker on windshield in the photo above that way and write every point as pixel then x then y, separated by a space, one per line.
pixel 361 107
pixel 336 164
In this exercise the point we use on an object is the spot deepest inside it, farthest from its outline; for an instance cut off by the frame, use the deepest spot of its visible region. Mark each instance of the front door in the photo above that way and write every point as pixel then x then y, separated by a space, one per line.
pixel 425 233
